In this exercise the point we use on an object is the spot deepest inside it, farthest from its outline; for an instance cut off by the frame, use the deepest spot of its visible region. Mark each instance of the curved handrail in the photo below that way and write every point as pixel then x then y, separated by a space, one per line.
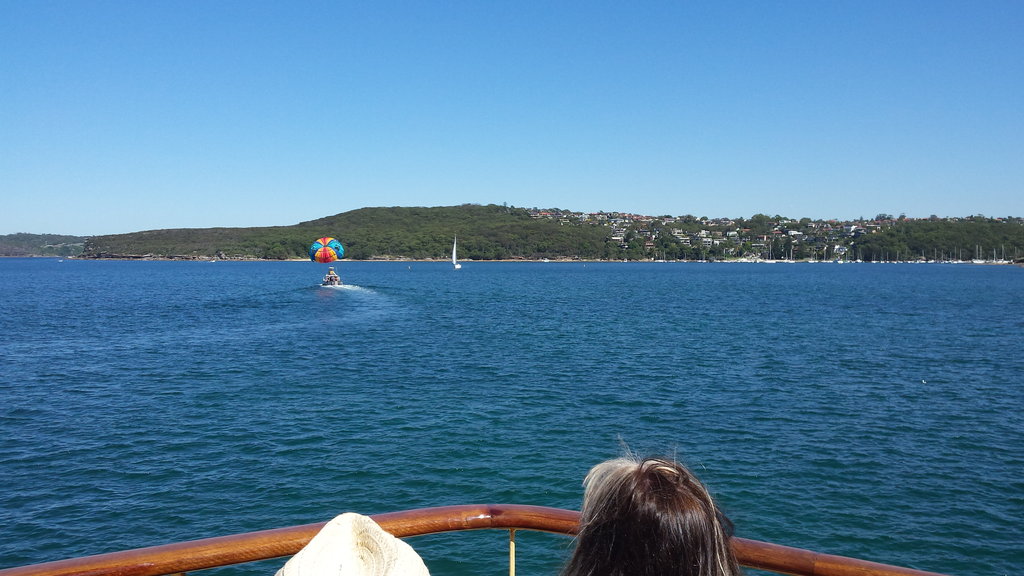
pixel 264 545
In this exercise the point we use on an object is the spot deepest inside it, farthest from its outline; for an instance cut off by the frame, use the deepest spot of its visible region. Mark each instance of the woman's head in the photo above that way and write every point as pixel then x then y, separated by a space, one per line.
pixel 648 518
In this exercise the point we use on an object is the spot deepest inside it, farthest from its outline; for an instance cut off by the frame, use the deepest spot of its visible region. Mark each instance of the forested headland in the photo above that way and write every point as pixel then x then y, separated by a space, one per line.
pixel 495 232
pixel 22 244
pixel 485 233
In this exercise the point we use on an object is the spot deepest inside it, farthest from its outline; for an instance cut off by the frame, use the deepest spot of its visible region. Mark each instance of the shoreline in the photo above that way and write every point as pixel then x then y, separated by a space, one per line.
pixel 524 260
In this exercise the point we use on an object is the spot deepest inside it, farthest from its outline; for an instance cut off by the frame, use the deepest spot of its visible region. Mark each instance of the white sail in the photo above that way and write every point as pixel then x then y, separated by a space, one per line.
pixel 455 258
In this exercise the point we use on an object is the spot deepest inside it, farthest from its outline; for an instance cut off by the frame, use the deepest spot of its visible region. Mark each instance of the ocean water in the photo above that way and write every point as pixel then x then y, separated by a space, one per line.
pixel 872 411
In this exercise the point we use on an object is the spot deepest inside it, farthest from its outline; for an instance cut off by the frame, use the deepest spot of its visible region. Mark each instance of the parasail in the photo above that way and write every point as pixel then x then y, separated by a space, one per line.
pixel 326 250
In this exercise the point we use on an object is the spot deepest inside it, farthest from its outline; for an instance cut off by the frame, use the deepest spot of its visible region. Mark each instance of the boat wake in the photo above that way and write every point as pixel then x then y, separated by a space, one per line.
pixel 345 287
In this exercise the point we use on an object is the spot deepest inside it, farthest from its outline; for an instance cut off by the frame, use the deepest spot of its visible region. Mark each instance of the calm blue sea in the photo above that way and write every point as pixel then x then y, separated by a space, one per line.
pixel 866 410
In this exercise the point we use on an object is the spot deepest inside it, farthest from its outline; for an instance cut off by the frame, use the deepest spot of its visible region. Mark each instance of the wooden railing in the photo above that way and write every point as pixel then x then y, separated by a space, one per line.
pixel 226 550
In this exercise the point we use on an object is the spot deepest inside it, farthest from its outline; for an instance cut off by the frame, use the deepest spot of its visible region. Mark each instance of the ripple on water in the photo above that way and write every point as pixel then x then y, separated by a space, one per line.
pixel 835 408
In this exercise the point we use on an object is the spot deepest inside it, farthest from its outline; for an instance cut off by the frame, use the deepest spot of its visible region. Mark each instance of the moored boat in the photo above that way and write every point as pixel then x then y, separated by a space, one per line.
pixel 182 557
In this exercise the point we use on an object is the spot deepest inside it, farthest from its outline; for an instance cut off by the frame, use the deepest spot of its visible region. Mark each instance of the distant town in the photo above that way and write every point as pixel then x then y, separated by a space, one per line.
pixel 762 237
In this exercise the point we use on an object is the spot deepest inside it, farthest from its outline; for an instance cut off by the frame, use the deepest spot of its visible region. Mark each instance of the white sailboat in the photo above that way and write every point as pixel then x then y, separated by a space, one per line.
pixel 455 258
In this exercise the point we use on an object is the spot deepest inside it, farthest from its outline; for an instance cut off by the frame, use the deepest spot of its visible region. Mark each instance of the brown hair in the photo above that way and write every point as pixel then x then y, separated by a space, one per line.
pixel 650 517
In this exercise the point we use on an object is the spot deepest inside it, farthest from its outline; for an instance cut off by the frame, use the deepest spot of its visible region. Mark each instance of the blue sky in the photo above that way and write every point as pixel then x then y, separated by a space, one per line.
pixel 125 116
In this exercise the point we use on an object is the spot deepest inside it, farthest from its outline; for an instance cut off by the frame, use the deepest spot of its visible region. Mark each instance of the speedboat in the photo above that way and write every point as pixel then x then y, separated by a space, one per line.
pixel 331 278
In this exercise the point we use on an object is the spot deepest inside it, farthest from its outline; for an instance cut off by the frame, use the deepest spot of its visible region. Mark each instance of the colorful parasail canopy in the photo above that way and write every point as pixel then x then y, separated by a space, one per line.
pixel 326 250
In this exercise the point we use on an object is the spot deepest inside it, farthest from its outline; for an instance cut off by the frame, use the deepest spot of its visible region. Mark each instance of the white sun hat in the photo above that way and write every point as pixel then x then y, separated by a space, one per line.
pixel 354 545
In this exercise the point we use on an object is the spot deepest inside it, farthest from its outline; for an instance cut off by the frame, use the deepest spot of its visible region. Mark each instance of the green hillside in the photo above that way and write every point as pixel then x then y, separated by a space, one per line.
pixel 484 232
pixel 503 233
pixel 22 244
